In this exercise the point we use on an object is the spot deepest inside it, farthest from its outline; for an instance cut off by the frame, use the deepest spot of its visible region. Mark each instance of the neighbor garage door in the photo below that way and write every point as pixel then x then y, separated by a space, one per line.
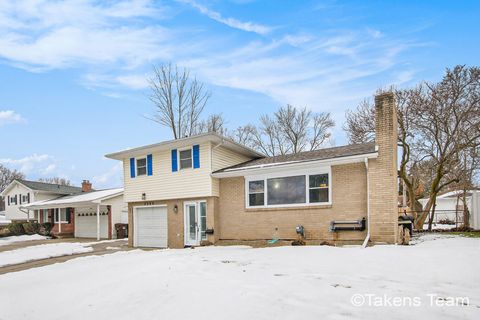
pixel 151 227
pixel 86 226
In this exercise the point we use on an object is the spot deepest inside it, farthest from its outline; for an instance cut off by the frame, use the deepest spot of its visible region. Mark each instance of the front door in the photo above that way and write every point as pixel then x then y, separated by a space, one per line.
pixel 195 222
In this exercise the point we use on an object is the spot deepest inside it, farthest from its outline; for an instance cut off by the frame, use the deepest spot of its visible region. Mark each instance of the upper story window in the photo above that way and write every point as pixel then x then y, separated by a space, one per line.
pixel 185 158
pixel 289 190
pixel 141 166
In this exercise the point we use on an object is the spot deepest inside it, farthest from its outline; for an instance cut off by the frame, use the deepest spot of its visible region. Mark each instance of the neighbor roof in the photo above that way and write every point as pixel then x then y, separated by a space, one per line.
pixel 183 142
pixel 46 187
pixel 86 198
pixel 321 154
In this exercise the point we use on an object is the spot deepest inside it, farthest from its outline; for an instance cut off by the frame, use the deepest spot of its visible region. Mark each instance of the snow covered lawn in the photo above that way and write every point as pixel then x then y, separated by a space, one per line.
pixel 42 251
pixel 244 283
pixel 12 239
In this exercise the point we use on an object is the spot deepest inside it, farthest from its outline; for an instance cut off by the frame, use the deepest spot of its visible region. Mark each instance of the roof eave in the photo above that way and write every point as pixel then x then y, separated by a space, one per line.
pixel 206 137
pixel 4 192
pixel 304 164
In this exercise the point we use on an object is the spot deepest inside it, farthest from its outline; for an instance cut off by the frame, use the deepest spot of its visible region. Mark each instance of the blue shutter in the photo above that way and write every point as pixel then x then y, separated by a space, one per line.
pixel 174 160
pixel 149 164
pixel 132 167
pixel 196 156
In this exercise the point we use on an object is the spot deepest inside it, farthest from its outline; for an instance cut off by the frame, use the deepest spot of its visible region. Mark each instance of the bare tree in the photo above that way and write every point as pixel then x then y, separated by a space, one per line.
pixel 6 177
pixel 56 180
pixel 360 128
pixel 243 135
pixel 214 123
pixel 178 98
pixel 289 130
pixel 447 121
pixel 360 123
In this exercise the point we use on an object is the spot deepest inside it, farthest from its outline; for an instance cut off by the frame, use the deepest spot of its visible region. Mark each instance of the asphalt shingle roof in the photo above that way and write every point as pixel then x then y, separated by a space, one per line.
pixel 321 154
pixel 50 187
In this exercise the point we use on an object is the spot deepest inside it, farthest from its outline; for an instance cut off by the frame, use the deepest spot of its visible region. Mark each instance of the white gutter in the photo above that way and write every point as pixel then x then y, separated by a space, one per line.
pixel 250 170
pixel 367 238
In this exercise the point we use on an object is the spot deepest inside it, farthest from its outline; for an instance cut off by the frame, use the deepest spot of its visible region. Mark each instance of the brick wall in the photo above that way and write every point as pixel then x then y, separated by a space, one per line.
pixel 383 173
pixel 349 203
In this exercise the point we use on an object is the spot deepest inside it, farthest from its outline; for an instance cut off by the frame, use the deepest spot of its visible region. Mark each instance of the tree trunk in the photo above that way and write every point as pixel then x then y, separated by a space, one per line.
pixel 466 213
pixel 432 215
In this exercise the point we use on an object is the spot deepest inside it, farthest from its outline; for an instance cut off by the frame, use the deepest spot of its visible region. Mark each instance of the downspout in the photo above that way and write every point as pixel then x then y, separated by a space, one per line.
pixel 367 238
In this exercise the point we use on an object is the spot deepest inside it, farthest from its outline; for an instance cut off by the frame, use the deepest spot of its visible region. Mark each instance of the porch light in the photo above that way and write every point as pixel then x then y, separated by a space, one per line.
pixel 175 208
pixel 144 196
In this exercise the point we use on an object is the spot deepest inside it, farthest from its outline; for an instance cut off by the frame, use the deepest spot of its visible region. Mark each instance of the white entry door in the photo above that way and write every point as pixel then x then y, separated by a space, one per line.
pixel 150 227
pixel 195 222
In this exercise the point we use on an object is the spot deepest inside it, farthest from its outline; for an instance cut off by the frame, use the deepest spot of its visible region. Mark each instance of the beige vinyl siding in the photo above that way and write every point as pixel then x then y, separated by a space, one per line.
pixel 224 158
pixel 118 206
pixel 165 184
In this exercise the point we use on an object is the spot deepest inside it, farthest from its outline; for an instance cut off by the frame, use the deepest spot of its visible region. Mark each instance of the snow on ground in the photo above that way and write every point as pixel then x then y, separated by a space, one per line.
pixel 438 226
pixel 312 282
pixel 12 239
pixel 42 251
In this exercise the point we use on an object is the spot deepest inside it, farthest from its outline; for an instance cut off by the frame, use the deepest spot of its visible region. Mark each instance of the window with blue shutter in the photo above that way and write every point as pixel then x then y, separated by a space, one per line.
pixel 149 165
pixel 196 156
pixel 174 160
pixel 132 167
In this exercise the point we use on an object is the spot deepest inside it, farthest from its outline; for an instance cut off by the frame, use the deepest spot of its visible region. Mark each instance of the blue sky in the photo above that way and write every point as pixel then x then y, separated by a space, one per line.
pixel 73 74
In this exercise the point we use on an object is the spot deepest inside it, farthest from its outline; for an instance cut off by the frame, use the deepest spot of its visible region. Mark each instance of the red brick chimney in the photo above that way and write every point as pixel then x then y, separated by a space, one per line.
pixel 86 186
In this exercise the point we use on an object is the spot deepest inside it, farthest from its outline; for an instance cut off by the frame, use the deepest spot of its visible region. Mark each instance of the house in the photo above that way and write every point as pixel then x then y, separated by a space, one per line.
pixel 21 192
pixel 209 189
pixel 82 213
pixel 449 207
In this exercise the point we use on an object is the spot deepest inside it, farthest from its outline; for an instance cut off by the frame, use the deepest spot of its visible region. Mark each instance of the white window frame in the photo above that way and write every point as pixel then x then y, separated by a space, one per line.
pixel 136 166
pixel 285 174
pixel 59 215
pixel 195 203
pixel 180 159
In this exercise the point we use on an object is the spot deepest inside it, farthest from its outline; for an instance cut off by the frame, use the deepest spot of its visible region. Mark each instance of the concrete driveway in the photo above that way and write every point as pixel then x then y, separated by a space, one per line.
pixel 99 248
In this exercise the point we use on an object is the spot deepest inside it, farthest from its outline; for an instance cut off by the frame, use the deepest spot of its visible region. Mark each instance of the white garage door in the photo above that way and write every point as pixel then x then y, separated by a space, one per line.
pixel 151 227
pixel 86 226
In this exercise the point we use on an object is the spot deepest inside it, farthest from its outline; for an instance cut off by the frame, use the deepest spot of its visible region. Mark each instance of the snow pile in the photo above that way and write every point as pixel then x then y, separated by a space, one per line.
pixel 12 239
pixel 316 282
pixel 42 251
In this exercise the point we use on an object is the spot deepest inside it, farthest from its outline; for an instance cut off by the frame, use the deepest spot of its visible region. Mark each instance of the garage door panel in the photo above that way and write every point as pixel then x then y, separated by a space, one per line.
pixel 86 226
pixel 151 227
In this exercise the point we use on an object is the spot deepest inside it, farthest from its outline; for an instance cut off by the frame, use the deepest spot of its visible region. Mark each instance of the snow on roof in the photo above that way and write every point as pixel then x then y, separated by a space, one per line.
pixel 83 198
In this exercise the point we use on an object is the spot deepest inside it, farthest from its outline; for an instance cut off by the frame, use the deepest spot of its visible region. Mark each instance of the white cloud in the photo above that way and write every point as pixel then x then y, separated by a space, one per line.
pixel 49 169
pixel 32 163
pixel 320 73
pixel 111 178
pixel 10 117
pixel 231 22
pixel 39 35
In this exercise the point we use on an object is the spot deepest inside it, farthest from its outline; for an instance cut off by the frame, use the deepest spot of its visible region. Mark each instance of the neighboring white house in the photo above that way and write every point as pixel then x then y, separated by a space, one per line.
pixel 449 206
pixel 86 215
pixel 22 192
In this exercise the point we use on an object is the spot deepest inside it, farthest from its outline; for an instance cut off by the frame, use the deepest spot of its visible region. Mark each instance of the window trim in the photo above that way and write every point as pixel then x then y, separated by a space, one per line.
pixel 60 215
pixel 137 166
pixel 285 174
pixel 179 159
